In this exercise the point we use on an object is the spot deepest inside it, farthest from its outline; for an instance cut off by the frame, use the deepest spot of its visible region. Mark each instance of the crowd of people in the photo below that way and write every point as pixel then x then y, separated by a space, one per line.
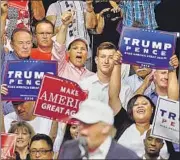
pixel 115 120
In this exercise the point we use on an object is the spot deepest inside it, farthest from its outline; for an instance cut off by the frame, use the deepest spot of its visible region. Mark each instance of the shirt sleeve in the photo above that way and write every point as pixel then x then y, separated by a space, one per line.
pixel 59 54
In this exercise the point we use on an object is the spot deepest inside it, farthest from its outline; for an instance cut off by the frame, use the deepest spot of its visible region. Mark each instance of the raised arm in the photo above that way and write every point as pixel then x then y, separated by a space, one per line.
pixel 38 9
pixel 4 13
pixel 90 16
pixel 173 85
pixel 115 85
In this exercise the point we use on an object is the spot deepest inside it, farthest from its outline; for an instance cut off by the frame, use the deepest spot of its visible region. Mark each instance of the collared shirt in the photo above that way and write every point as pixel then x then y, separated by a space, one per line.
pixel 141 11
pixel 132 139
pixel 102 151
pixel 134 81
pixel 153 158
pixel 154 96
pixel 5 57
pixel 99 91
pixel 67 69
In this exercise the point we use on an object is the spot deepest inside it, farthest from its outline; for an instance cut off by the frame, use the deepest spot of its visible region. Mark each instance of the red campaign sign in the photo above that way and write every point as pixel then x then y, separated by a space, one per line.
pixel 20 4
pixel 8 142
pixel 59 98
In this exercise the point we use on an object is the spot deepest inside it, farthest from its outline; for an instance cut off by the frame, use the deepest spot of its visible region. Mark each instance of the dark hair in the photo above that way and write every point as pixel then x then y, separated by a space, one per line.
pixel 105 45
pixel 44 137
pixel 20 30
pixel 67 134
pixel 44 21
pixel 130 106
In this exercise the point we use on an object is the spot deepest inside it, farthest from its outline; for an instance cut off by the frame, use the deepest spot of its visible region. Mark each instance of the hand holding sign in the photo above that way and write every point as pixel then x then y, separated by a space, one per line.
pixel 174 62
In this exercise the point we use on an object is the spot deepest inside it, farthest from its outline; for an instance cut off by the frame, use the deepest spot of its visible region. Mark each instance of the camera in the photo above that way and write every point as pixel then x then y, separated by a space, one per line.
pixel 111 15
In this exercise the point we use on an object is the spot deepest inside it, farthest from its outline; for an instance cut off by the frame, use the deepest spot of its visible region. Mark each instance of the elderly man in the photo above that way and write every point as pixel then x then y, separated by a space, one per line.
pixel 96 126
pixel 166 83
pixel 21 42
pixel 152 146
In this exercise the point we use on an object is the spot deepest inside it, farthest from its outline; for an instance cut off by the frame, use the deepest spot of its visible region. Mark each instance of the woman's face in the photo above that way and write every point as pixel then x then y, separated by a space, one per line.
pixel 142 110
pixel 74 130
pixel 23 137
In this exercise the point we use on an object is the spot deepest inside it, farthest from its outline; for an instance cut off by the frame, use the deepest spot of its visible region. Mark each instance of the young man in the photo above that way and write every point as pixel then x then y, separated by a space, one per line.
pixel 97 85
pixel 96 125
pixel 44 31
pixel 152 147
pixel 41 147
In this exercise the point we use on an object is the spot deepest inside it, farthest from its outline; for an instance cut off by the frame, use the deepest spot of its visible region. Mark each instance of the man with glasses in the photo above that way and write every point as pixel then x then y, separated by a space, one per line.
pixel 44 31
pixel 41 147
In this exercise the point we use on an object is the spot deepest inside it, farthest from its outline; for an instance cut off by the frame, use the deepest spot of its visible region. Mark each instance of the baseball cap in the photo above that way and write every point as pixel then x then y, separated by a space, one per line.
pixel 93 111
pixel 69 42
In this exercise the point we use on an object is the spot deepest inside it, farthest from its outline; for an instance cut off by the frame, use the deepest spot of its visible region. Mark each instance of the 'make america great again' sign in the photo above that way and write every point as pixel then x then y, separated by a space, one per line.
pixel 148 48
pixel 59 98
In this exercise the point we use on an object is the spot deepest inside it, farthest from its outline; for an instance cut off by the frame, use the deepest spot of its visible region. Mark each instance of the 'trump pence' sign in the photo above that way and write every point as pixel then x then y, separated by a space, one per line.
pixel 166 120
pixel 148 48
pixel 59 100
pixel 23 78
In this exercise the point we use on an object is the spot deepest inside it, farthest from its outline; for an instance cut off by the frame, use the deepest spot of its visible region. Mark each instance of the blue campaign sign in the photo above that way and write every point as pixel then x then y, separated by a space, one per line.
pixel 23 78
pixel 147 48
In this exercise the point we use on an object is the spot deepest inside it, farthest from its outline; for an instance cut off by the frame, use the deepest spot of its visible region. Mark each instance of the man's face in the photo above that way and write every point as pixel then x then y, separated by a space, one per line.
pixel 152 145
pixel 142 110
pixel 44 33
pixel 24 110
pixel 41 150
pixel 161 78
pixel 78 53
pixel 141 72
pixel 22 44
pixel 93 134
pixel 105 62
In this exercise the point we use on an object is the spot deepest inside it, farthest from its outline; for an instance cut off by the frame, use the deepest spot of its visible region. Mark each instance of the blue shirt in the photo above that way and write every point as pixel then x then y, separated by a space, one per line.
pixel 139 10
pixel 5 57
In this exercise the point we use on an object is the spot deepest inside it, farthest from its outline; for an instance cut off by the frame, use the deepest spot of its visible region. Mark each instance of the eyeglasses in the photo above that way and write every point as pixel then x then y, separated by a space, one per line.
pixel 44 33
pixel 41 151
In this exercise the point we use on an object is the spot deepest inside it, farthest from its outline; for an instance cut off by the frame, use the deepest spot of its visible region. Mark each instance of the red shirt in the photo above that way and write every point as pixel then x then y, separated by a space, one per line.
pixel 38 55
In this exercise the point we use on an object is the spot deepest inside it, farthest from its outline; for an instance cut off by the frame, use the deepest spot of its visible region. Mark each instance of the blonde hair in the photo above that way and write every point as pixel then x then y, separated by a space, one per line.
pixel 22 124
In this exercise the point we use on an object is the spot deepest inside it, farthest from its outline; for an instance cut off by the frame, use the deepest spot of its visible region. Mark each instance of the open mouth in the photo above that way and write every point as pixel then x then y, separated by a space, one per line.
pixel 141 111
pixel 79 57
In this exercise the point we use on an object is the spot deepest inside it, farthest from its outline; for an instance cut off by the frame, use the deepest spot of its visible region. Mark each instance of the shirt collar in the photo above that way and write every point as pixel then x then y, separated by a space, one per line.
pixel 103 148
pixel 96 79
pixel 17 58
pixel 82 69
pixel 157 157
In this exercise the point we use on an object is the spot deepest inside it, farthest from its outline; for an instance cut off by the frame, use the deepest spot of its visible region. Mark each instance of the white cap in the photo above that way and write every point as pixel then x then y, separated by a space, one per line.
pixel 93 111
pixel 76 38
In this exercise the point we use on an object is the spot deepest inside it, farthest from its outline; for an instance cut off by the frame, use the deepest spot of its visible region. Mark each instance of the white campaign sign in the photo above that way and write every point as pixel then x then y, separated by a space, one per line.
pixel 166 120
